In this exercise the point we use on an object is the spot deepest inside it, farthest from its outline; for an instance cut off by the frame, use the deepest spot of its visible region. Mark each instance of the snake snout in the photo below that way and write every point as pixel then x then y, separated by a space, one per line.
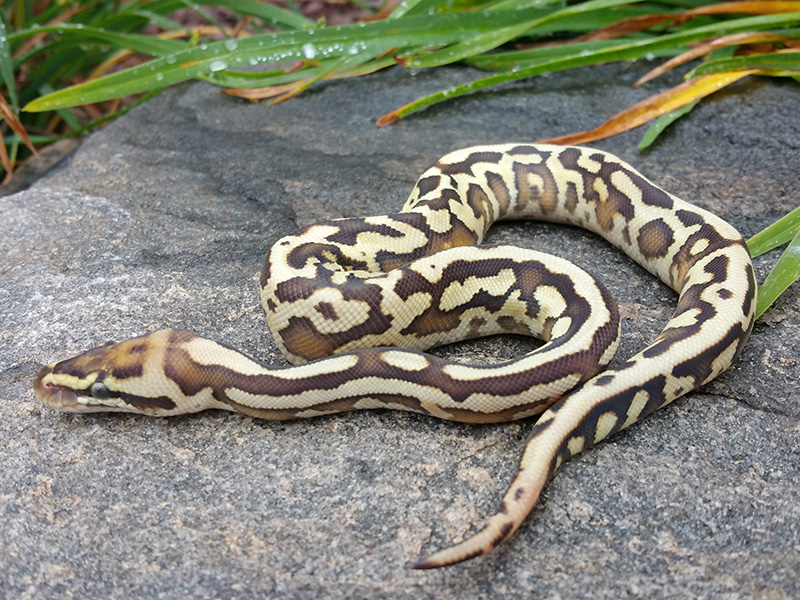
pixel 54 395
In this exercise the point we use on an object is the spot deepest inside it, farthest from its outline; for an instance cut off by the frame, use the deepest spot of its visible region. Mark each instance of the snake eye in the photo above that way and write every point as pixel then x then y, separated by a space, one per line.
pixel 100 391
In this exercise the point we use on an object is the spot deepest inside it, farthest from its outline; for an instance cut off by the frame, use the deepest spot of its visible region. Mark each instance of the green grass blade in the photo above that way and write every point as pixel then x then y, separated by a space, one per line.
pixel 207 59
pixel 777 234
pixel 338 63
pixel 509 61
pixel 270 13
pixel 624 51
pixel 415 8
pixel 257 79
pixel 664 121
pixel 7 66
pixel 785 272
pixel 327 69
pixel 161 21
pixel 68 117
pixel 787 64
pixel 402 9
pixel 499 36
pixel 146 44
pixel 500 5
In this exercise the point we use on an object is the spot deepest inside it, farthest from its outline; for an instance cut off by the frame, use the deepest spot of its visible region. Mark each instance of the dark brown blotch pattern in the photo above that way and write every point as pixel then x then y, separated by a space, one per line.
pixel 467 166
pixel 655 239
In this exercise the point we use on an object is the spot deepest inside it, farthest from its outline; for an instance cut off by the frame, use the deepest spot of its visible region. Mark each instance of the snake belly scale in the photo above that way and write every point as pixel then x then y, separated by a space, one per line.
pixel 355 302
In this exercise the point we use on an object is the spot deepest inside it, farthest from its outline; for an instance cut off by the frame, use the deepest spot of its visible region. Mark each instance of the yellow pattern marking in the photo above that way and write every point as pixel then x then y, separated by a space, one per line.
pixel 605 424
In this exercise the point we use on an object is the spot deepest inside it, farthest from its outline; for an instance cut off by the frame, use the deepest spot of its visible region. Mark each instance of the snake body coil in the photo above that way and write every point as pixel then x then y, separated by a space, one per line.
pixel 344 287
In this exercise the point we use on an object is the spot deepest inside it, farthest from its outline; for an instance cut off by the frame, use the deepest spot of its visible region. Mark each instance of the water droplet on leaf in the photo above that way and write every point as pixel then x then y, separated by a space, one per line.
pixel 309 51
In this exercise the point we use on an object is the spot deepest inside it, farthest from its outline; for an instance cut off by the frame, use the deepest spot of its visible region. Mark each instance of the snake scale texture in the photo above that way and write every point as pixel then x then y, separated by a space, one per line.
pixel 354 302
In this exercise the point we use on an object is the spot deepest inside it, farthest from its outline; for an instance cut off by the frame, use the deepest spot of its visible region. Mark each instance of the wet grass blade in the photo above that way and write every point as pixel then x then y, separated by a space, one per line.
pixel 270 13
pixel 276 83
pixel 207 59
pixel 624 51
pixel 146 44
pixel 785 272
pixel 7 65
pixel 728 43
pixel 777 234
pixel 663 122
pixel 499 36
pixel 784 63
pixel 511 61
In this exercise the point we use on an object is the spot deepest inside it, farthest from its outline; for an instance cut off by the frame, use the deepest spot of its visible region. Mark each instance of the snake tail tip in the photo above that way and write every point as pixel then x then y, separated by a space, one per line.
pixel 422 564
pixel 444 558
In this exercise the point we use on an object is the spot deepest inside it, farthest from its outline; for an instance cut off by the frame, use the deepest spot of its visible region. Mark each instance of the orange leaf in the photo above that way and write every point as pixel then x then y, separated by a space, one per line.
pixel 389 118
pixel 632 24
pixel 763 7
pixel 15 124
pixel 291 93
pixel 654 106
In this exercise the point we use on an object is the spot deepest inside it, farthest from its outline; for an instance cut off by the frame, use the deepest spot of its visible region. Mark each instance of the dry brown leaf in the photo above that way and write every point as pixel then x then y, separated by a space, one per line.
pixel 706 47
pixel 630 25
pixel 16 125
pixel 764 7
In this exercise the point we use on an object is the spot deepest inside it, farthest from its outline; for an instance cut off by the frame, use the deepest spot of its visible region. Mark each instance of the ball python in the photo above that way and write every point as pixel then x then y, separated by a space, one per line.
pixel 354 302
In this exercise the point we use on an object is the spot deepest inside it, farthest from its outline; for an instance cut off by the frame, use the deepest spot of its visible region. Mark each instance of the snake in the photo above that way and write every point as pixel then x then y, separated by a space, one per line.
pixel 353 304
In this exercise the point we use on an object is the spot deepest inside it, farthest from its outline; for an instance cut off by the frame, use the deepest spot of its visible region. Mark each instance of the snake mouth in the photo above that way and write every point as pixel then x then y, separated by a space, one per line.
pixel 51 394
pixel 63 398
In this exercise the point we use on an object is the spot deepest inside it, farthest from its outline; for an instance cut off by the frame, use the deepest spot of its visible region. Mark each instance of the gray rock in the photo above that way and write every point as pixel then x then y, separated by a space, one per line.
pixel 162 220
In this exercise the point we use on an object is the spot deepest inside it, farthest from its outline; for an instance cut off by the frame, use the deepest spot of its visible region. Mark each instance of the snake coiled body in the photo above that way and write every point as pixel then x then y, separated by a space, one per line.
pixel 375 292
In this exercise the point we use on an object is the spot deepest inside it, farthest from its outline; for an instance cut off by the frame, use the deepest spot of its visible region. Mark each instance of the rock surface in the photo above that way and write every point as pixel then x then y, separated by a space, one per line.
pixel 162 220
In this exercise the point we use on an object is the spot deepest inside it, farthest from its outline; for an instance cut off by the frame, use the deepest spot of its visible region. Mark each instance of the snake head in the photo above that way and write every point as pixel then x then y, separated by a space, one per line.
pixel 107 378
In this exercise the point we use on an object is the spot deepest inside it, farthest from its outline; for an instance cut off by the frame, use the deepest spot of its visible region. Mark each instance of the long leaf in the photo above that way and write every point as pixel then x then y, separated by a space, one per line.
pixel 268 12
pixel 10 117
pixel 281 82
pixel 500 36
pixel 6 66
pixel 663 122
pixel 785 272
pixel 146 44
pixel 627 26
pixel 777 234
pixel 653 107
pixel 786 62
pixel 725 41
pixel 625 51
pixel 514 60
pixel 205 60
